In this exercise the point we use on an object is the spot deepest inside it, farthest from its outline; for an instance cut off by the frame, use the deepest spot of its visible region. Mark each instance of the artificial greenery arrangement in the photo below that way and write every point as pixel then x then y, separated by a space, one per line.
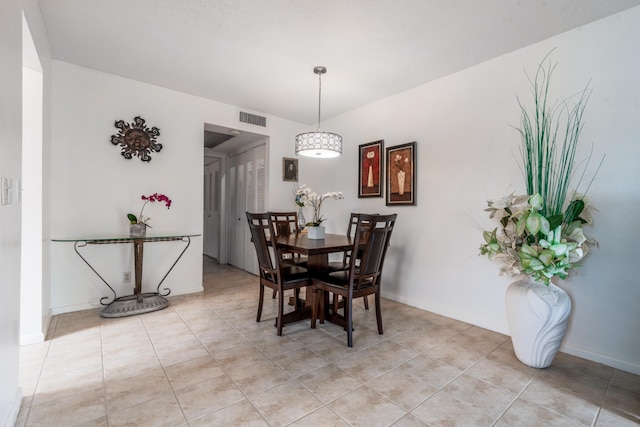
pixel 540 234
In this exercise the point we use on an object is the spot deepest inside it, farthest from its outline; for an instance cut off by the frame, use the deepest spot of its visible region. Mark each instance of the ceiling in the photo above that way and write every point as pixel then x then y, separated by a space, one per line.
pixel 259 54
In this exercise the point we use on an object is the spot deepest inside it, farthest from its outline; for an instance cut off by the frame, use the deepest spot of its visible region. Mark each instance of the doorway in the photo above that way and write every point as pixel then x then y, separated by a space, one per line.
pixel 235 181
pixel 212 206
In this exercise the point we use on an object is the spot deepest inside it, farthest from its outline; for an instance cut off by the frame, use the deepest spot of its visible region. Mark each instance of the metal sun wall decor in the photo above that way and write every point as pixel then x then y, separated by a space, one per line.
pixel 136 139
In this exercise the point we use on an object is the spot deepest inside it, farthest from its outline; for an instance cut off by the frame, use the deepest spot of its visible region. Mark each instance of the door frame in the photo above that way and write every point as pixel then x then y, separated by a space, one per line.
pixel 223 232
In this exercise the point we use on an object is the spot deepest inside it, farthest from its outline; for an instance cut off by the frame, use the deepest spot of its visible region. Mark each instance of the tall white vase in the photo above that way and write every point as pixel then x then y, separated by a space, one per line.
pixel 401 182
pixel 538 316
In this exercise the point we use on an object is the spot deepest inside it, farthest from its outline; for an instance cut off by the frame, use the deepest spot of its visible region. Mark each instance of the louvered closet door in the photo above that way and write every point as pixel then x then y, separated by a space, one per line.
pixel 247 175
pixel 211 217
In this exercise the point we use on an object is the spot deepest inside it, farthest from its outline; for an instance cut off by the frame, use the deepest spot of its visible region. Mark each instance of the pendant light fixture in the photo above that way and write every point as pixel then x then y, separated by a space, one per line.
pixel 319 144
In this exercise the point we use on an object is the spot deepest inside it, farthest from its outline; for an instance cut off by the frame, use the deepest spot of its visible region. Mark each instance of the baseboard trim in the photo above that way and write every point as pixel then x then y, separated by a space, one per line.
pixel 601 358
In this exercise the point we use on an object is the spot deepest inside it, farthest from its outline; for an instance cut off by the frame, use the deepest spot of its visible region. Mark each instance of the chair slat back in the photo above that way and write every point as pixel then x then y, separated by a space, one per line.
pixel 285 223
pixel 374 231
pixel 353 222
pixel 262 232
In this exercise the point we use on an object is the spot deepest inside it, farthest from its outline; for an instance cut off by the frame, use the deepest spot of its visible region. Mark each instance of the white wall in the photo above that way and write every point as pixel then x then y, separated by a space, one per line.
pixel 10 162
pixel 94 186
pixel 35 312
pixel 466 150
pixel 31 301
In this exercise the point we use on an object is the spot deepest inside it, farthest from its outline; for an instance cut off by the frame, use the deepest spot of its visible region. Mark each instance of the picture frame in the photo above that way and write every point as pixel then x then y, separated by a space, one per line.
pixel 401 174
pixel 370 172
pixel 289 169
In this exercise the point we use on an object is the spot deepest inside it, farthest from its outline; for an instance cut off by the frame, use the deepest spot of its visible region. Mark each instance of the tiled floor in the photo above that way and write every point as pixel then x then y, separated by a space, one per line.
pixel 204 361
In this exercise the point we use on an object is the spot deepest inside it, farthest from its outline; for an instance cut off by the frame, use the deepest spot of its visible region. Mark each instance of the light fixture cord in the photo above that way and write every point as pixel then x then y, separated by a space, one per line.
pixel 319 97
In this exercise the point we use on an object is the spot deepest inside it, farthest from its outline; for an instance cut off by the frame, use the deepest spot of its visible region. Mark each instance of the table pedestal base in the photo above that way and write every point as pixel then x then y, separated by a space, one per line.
pixel 129 305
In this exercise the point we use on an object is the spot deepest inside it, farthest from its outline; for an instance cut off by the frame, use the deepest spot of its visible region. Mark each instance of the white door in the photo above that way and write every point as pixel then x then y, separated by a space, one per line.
pixel 247 176
pixel 211 214
pixel 237 203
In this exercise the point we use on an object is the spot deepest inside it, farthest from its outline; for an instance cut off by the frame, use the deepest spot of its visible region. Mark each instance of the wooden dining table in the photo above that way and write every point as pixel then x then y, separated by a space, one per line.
pixel 316 250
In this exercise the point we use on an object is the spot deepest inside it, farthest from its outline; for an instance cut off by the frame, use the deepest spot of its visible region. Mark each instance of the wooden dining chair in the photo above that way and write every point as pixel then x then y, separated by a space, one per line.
pixel 274 274
pixel 344 263
pixel 285 223
pixel 372 236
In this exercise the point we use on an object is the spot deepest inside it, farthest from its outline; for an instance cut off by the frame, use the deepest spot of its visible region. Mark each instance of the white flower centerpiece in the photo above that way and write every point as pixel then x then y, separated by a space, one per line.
pixel 539 236
pixel 304 196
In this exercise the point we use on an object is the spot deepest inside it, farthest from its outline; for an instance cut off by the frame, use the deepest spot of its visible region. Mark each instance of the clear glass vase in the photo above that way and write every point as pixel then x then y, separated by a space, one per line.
pixel 137 230
pixel 301 221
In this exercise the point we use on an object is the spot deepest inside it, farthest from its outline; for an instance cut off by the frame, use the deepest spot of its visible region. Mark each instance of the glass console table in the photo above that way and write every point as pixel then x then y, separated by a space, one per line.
pixel 138 302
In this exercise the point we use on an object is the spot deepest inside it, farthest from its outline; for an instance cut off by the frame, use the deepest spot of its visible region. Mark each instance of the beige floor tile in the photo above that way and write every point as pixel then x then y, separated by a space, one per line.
pixel 98 422
pixel 207 396
pixel 527 414
pixel 423 339
pixel 375 360
pixel 181 352
pixel 504 375
pixel 273 346
pixel 413 382
pixel 608 418
pixel 162 411
pixel 126 367
pixel 590 387
pixel 257 377
pixel 67 383
pixel 123 393
pixel 333 349
pixel 275 404
pixel 193 371
pixel 126 347
pixel 299 361
pixel 81 342
pixel 222 339
pixel 30 374
pixel 323 417
pixel 215 354
pixel 68 410
pixel 306 336
pixel 365 407
pixel 457 353
pixel 580 366
pixel 239 414
pixel 623 394
pixel 560 400
pixel 34 352
pixel 410 420
pixel 465 401
pixel 59 364
pixel 239 356
pixel 329 382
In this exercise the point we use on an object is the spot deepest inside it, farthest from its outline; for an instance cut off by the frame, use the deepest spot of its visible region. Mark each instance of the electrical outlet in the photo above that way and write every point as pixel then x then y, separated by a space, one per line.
pixel 126 277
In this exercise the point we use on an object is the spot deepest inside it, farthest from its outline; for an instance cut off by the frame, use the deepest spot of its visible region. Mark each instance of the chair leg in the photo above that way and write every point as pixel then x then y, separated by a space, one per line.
pixel 280 310
pixel 275 294
pixel 324 305
pixel 378 313
pixel 260 302
pixel 366 302
pixel 314 307
pixel 348 302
